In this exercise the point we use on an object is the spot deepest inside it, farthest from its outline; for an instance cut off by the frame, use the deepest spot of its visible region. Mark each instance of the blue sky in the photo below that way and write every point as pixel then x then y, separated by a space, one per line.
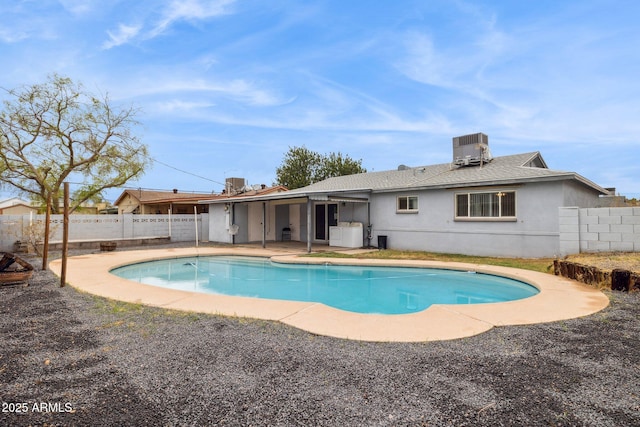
pixel 226 87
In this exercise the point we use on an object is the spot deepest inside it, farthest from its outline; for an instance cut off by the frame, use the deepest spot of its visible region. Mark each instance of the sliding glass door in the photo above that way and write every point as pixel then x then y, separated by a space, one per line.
pixel 326 215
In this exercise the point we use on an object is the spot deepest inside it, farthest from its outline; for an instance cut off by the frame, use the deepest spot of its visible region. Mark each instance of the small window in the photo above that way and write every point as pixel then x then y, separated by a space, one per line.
pixel 407 204
pixel 499 204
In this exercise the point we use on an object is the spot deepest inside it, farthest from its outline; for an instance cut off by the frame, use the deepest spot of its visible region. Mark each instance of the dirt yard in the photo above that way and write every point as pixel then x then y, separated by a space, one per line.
pixel 609 261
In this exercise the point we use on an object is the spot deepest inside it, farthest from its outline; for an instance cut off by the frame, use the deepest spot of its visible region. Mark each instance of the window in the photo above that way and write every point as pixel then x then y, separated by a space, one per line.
pixel 407 204
pixel 499 204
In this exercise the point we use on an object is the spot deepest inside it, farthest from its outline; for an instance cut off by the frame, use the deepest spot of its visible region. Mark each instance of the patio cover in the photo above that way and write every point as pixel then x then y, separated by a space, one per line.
pixel 294 197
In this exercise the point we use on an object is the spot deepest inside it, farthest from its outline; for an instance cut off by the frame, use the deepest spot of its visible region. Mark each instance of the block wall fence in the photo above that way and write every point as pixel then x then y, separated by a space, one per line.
pixel 599 230
pixel 181 228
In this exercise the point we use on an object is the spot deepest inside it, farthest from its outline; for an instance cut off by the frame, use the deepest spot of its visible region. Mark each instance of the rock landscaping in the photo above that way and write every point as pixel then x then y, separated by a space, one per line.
pixel 69 358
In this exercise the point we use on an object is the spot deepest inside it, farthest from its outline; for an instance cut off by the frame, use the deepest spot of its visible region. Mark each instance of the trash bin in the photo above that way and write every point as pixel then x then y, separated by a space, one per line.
pixel 382 242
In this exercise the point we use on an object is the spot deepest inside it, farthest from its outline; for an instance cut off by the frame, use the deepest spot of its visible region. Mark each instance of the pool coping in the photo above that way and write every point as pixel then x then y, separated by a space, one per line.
pixel 559 298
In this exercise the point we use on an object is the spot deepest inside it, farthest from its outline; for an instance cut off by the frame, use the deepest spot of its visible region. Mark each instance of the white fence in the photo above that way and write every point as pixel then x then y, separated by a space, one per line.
pixel 181 228
pixel 599 230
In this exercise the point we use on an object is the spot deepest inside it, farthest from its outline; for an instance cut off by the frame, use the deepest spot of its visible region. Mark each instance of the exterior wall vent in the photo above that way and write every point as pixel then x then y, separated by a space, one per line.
pixel 471 150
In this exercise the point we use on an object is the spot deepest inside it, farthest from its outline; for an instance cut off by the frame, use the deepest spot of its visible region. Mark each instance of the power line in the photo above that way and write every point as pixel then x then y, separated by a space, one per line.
pixel 171 167
pixel 188 173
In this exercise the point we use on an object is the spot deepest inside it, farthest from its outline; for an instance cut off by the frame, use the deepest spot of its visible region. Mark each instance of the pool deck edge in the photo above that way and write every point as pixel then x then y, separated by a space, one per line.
pixel 559 298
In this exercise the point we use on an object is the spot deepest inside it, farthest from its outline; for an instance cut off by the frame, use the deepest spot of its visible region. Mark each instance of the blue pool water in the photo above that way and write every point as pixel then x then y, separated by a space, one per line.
pixel 386 290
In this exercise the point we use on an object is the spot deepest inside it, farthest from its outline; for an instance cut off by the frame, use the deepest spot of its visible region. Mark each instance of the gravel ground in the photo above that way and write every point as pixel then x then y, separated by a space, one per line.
pixel 68 358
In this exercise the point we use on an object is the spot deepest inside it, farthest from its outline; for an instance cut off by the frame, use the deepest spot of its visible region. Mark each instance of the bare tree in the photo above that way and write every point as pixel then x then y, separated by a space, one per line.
pixel 56 131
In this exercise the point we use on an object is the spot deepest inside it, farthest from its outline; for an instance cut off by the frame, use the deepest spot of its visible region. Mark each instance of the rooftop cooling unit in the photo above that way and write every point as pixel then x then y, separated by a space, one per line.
pixel 233 185
pixel 470 150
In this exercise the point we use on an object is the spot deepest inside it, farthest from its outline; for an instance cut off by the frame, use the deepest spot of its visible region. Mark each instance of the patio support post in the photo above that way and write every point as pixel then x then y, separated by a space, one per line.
pixel 309 228
pixel 264 224
pixel 195 219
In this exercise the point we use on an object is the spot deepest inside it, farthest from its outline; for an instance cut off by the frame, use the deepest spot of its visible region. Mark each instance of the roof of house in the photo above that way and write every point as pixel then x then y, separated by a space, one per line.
pixel 503 170
pixel 517 168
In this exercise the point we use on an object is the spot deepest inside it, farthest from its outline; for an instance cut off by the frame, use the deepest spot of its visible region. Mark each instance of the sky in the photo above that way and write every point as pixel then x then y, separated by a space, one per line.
pixel 226 87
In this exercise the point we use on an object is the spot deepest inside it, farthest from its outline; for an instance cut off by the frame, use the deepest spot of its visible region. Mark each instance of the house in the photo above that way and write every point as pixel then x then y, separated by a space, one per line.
pixel 139 201
pixel 477 205
pixel 92 208
pixel 16 206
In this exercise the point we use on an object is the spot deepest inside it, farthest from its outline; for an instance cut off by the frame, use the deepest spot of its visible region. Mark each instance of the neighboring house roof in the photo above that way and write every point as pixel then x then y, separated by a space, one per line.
pixel 14 201
pixel 504 170
pixel 150 196
pixel 156 197
pixel 13 204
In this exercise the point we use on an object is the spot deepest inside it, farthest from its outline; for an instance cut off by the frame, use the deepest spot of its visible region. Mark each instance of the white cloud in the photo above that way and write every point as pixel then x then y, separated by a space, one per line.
pixel 175 11
pixel 337 106
pixel 190 10
pixel 537 81
pixel 80 7
pixel 8 35
pixel 121 36
pixel 195 91
pixel 422 63
pixel 26 20
pixel 180 106
pixel 249 93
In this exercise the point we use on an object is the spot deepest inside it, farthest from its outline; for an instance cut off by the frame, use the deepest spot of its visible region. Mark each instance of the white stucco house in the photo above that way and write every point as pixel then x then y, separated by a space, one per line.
pixel 475 205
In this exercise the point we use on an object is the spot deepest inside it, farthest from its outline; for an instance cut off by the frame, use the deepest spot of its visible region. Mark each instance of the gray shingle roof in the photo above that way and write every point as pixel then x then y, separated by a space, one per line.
pixel 515 168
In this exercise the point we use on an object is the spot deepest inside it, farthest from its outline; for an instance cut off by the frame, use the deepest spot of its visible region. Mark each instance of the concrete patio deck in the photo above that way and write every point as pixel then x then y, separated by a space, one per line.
pixel 559 298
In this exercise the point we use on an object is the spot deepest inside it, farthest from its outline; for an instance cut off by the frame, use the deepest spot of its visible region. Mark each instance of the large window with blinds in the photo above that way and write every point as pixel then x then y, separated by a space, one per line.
pixel 486 205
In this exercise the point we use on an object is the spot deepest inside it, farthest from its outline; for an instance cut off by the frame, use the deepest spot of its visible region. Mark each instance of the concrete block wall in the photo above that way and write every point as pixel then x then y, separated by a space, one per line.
pixel 569 223
pixel 11 229
pixel 599 230
pixel 617 229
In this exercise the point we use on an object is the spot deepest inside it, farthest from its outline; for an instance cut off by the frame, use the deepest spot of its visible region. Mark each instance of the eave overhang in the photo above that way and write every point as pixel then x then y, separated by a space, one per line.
pixel 291 197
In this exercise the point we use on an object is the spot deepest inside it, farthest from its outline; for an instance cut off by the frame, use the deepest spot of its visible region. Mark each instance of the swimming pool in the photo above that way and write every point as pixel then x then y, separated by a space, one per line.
pixel 360 289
